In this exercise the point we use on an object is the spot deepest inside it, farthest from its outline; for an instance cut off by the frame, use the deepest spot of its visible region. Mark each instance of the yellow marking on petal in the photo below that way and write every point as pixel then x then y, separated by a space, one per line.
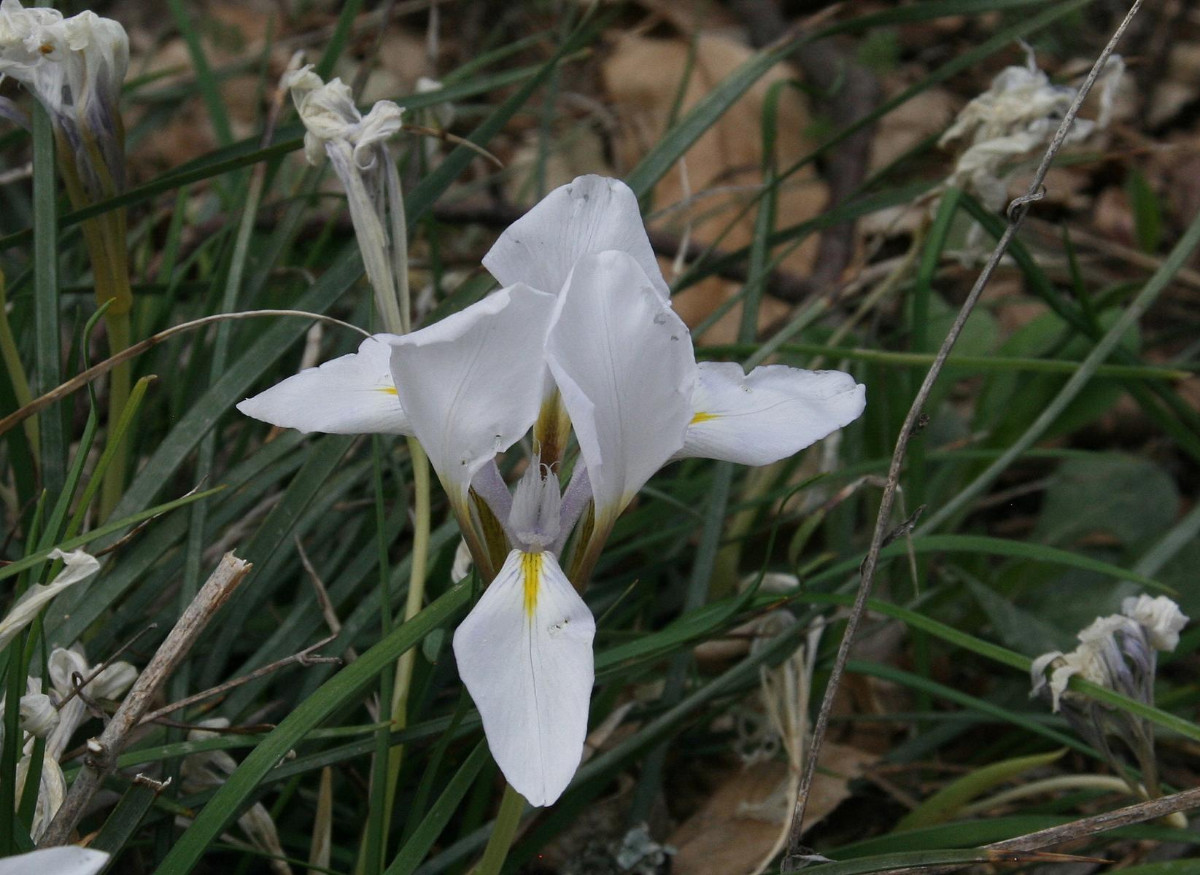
pixel 701 416
pixel 531 573
pixel 387 390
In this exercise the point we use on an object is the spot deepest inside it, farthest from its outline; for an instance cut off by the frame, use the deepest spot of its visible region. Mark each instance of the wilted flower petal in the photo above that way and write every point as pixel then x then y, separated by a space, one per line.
pixel 38 714
pixel 78 566
pixel 1160 617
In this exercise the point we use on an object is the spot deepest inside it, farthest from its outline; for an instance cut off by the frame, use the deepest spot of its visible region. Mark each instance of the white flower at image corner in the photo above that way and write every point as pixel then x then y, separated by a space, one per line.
pixel 584 318
pixel 62 860
pixel 75 66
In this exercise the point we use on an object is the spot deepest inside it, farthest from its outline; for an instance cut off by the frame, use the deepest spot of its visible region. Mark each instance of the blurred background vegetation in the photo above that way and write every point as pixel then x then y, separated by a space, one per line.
pixel 786 156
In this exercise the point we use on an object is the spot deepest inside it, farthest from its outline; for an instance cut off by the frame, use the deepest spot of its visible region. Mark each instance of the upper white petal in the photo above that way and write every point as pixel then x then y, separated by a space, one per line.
pixel 525 655
pixel 353 394
pixel 471 384
pixel 62 860
pixel 624 364
pixel 768 414
pixel 591 214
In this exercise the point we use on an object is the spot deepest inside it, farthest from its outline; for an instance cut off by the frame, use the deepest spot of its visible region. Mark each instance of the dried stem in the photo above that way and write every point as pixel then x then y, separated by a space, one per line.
pixel 101 368
pixel 304 657
pixel 1075 830
pixel 102 754
pixel 794 858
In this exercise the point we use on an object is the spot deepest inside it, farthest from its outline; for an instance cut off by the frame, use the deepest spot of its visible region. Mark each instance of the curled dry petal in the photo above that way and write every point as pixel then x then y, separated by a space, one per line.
pixel 78 566
pixel 38 714
pixel 1160 617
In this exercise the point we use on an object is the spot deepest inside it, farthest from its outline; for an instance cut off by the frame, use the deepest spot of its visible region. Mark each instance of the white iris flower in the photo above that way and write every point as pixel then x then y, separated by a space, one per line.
pixel 582 334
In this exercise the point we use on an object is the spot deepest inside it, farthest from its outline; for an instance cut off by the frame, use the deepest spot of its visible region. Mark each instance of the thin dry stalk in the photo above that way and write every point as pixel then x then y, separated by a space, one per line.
pixel 101 758
pixel 1076 830
pixel 304 657
pixel 101 368
pixel 796 854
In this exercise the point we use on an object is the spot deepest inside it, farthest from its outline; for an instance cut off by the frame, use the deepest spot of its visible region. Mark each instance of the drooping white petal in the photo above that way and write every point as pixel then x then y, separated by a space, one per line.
pixel 77 566
pixel 623 361
pixel 525 655
pixel 353 394
pixel 63 860
pixel 591 214
pixel 768 414
pixel 471 384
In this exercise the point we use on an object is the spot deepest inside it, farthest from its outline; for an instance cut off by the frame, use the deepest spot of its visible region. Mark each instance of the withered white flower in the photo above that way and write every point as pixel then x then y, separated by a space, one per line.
pixel 78 566
pixel 206 770
pixel 39 717
pixel 1019 113
pixel 356 146
pixel 75 67
pixel 583 335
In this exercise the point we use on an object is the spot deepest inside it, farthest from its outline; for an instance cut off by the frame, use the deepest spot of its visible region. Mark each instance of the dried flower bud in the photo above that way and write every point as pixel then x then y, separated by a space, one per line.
pixel 38 714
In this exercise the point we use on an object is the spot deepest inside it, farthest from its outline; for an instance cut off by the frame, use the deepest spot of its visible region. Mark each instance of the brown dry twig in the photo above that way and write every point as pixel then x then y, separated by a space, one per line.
pixel 304 657
pixel 1076 830
pixel 794 858
pixel 103 751
pixel 101 368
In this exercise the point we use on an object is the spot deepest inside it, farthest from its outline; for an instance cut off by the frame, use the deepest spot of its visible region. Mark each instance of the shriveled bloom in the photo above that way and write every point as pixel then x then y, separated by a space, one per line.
pixel 78 566
pixel 75 67
pixel 1019 113
pixel 581 338
pixel 39 717
pixel 209 769
pixel 1118 652
pixel 356 146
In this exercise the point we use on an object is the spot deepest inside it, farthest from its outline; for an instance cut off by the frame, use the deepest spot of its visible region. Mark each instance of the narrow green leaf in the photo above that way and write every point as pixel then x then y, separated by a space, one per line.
pixel 945 803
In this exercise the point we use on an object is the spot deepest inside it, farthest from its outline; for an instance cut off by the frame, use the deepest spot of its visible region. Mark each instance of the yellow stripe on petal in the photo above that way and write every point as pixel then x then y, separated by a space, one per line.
pixel 387 390
pixel 531 574
pixel 701 416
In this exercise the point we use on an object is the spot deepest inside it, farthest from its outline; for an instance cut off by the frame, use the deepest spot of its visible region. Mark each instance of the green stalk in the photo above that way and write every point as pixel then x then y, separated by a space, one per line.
pixel 105 238
pixel 503 833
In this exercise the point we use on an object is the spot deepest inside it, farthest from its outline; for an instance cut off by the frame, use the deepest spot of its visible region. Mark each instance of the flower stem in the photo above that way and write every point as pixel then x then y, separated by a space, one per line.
pixel 422 511
pixel 512 806
pixel 16 373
